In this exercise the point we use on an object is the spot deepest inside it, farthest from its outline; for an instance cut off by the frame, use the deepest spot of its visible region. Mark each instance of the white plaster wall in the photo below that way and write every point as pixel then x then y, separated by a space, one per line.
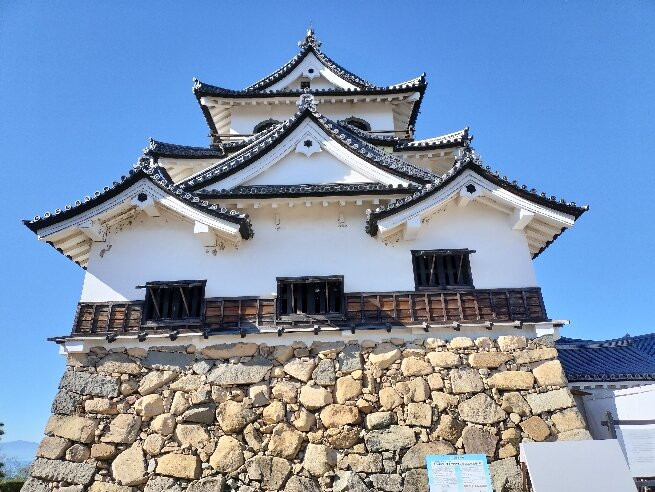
pixel 309 241
pixel 245 118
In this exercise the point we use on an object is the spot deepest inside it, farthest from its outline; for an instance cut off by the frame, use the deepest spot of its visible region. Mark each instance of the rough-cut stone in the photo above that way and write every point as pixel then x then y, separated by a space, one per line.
pixel 394 438
pixel 481 409
pixel 511 380
pixel 319 459
pixel 384 355
pixel 324 374
pixel 149 406
pixel 209 484
pixel 380 420
pixel 250 372
pixel 449 428
pixel 123 429
pixel 154 380
pixel 168 361
pixel 507 450
pixel 109 487
pixel 202 366
pixel 74 428
pixel 550 374
pixel 343 438
pixel 233 416
pixel 285 441
pixel 387 482
pixel 163 424
pixel 488 359
pixel 362 463
pixel 228 456
pixel 347 388
pixel 415 456
pixel 348 481
pixel 444 400
pixel 191 435
pixel 153 444
pixel 416 481
pixel 300 369
pixel 314 397
pixel 287 391
pixel 35 485
pixel 479 441
pixel 274 413
pixel 506 475
pixel 419 414
pixel 78 453
pixel 65 402
pixel 53 448
pixel 443 359
pixel 179 466
pixel 202 414
pixel 301 484
pixel 188 383
pixel 118 363
pixel 466 381
pixel 528 356
pixel 389 398
pixel 228 350
pixel 271 472
pixel 101 406
pixel 180 403
pixel 414 366
pixel 509 343
pixel 460 343
pixel 162 484
pixel 283 353
pixel 574 435
pixel 259 394
pixel 304 421
pixel 129 467
pixel 536 428
pixel 85 383
pixel 515 403
pixel 550 401
pixel 326 349
pixel 338 415
pixel 62 471
pixel 435 381
pixel 567 420
pixel 350 359
pixel 103 451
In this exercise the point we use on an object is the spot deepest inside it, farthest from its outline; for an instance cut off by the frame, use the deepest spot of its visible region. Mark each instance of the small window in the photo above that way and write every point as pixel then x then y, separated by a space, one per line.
pixel 442 268
pixel 305 84
pixel 170 302
pixel 311 296
pixel 359 123
pixel 265 125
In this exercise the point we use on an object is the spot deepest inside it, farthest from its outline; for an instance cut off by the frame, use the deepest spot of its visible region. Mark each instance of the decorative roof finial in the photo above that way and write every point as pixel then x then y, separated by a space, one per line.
pixel 310 39
pixel 306 101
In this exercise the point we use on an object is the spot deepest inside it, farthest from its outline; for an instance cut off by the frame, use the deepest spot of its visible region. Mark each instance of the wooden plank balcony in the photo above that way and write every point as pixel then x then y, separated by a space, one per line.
pixel 361 310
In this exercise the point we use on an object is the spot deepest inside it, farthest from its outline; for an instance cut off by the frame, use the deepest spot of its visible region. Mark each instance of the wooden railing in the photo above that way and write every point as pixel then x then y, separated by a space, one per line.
pixel 365 309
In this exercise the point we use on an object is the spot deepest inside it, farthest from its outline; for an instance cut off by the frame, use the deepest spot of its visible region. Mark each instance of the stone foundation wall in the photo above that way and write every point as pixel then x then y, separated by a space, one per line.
pixel 326 417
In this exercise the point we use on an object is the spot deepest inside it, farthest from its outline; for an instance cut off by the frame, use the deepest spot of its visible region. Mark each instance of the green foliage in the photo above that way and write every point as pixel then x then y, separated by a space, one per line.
pixel 11 486
pixel 2 465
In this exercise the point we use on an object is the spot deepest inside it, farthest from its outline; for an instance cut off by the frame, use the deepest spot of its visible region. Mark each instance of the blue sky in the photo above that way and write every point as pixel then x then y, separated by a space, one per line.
pixel 559 96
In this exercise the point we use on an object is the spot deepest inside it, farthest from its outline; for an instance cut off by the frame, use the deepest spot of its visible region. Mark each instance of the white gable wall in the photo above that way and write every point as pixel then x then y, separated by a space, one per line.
pixel 307 241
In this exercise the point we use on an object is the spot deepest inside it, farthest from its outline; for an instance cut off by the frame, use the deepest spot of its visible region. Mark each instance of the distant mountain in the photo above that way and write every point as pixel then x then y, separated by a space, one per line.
pixel 17 455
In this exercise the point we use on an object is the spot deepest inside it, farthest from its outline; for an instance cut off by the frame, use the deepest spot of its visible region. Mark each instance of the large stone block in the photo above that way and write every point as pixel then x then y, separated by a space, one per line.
pixel 550 401
pixel 233 416
pixel 149 406
pixel 362 463
pixel 118 363
pixel 179 466
pixel 210 484
pixel 418 414
pixel 191 435
pixel 250 372
pixel 312 397
pixel 129 467
pixel 319 459
pixel 53 448
pixel 109 487
pixel 384 355
pixel 85 383
pixel 479 441
pixel 535 355
pixel 65 402
pixel 228 456
pixel 567 420
pixel 394 438
pixel 350 359
pixel 285 441
pixel 168 361
pixel 347 388
pixel 511 380
pixel 123 429
pixel 488 359
pixel 63 471
pixel 300 369
pixel 74 428
pixel 339 415
pixel 443 359
pixel 550 374
pixel 466 381
pixel 272 472
pixel 154 380
pixel 509 343
pixel 415 366
pixel 415 456
pixel 229 350
pixel 301 484
pixel 416 481
pixel 506 475
pixel 324 374
pixel 481 409
pixel 536 428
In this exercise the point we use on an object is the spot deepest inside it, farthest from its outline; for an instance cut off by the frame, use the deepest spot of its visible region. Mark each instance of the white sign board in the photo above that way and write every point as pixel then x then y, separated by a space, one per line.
pixel 458 473
pixel 572 466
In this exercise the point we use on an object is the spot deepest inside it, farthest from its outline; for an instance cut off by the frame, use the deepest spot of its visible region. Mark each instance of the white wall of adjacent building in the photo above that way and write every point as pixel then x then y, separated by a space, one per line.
pixel 299 241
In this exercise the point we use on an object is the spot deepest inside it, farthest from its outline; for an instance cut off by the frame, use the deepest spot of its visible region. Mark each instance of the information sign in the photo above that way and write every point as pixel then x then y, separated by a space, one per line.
pixel 458 473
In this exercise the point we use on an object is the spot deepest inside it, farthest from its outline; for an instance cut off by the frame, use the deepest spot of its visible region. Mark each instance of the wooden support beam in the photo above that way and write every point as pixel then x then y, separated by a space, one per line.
pixel 94 230
pixel 145 202
pixel 412 226
pixel 521 218
pixel 204 233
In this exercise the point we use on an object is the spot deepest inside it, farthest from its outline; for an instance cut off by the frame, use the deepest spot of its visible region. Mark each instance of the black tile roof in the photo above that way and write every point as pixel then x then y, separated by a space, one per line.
pixel 158 176
pixel 623 359
pixel 469 160
pixel 162 149
pixel 266 141
pixel 459 138
pixel 302 190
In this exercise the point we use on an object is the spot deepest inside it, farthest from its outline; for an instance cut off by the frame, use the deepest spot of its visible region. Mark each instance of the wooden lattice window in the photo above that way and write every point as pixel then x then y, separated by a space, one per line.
pixel 177 302
pixel 442 268
pixel 310 296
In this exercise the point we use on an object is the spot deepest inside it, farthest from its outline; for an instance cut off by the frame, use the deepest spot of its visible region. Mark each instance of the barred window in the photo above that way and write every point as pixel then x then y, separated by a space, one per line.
pixel 321 296
pixel 442 268
pixel 170 302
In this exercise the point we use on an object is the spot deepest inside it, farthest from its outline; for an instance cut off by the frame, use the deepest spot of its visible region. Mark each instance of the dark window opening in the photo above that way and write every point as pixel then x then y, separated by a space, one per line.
pixel 322 296
pixel 359 123
pixel 265 125
pixel 170 302
pixel 305 84
pixel 442 268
